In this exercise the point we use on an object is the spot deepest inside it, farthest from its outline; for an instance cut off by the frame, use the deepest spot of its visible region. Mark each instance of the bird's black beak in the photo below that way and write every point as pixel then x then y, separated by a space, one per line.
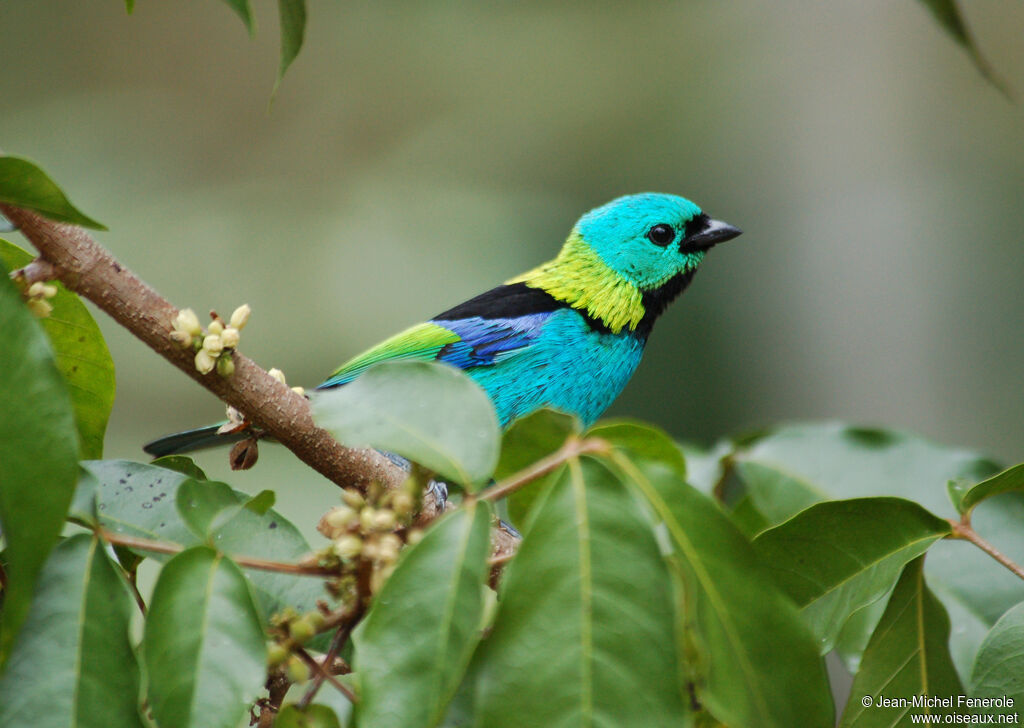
pixel 711 234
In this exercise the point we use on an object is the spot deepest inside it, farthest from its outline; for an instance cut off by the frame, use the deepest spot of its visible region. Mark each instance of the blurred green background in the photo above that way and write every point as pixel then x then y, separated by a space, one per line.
pixel 418 153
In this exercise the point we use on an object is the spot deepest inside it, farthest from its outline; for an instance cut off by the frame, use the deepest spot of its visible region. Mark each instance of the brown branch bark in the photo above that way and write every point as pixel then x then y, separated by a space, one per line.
pixel 86 268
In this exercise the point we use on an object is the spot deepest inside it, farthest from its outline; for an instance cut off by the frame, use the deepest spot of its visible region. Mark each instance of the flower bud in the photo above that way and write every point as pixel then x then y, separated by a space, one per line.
pixel 213 344
pixel 39 307
pixel 230 337
pixel 241 316
pixel 388 548
pixel 276 655
pixel 353 498
pixel 402 503
pixel 49 290
pixel 341 517
pixel 277 374
pixel 215 327
pixel 187 321
pixel 204 362
pixel 301 630
pixel 414 536
pixel 182 337
pixel 384 520
pixel 371 550
pixel 348 547
pixel 36 290
pixel 301 391
pixel 297 670
pixel 366 517
pixel 225 366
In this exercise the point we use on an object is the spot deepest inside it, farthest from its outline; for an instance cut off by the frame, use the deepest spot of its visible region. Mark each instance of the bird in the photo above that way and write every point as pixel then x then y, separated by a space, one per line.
pixel 566 335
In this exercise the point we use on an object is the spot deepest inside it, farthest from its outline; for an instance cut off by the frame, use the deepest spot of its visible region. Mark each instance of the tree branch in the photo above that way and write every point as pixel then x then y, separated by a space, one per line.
pixel 962 529
pixel 84 267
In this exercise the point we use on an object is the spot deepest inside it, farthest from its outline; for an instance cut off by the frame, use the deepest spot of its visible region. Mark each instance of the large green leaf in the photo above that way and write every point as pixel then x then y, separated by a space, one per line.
pixel 523 443
pixel 584 634
pixel 82 357
pixel 752 661
pixel 141 500
pixel 839 556
pixel 203 646
pixel 23 184
pixel 430 413
pixel 38 453
pixel 908 655
pixel 73 663
pixel 999 668
pixel 412 649
pixel 793 467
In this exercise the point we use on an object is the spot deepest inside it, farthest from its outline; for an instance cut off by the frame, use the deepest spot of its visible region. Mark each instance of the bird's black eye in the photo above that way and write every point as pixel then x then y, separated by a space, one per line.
pixel 661 234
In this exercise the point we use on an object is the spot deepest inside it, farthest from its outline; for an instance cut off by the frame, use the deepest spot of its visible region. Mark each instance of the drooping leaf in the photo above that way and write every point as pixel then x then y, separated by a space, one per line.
pixel 1010 480
pixel 908 655
pixel 38 454
pixel 584 633
pixel 23 184
pixel 77 636
pixel 82 357
pixel 427 412
pixel 839 556
pixel 751 660
pixel 242 9
pixel 141 500
pixel 999 669
pixel 412 649
pixel 203 646
pixel 199 502
pixel 526 441
pixel 293 30
pixel 949 17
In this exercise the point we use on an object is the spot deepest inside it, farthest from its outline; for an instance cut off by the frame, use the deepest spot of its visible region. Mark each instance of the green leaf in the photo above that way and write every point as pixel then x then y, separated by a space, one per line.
pixel 999 668
pixel 312 716
pixel 203 646
pixel 755 663
pixel 23 184
pixel 584 633
pixel 198 502
pixel 526 441
pixel 182 464
pixel 837 557
pixel 293 29
pixel 430 413
pixel 412 649
pixel 948 15
pixel 73 663
pixel 82 357
pixel 242 9
pixel 38 454
pixel 141 500
pixel 129 5
pixel 1009 480
pixel 908 655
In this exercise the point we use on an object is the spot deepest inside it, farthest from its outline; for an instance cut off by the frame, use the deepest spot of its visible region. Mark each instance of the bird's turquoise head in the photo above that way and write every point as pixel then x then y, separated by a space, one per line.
pixel 633 255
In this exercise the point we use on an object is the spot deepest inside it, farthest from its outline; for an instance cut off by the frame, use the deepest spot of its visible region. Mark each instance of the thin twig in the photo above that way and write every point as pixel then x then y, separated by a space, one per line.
pixel 323 674
pixel 166 547
pixel 963 530
pixel 573 447
pixel 133 583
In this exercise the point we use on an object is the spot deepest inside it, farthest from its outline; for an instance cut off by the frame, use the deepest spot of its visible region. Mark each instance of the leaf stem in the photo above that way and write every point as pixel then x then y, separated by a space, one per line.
pixel 572 448
pixel 963 530
pixel 322 673
pixel 166 547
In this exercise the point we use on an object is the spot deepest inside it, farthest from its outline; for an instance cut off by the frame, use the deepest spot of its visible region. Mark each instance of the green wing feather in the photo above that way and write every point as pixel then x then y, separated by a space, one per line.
pixel 423 342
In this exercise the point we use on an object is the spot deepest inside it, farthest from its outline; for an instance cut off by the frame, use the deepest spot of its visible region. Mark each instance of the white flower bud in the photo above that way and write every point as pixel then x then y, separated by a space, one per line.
pixel 230 337
pixel 277 374
pixel 389 547
pixel 301 391
pixel 204 362
pixel 187 321
pixel 182 337
pixel 384 520
pixel 353 498
pixel 39 307
pixel 341 516
pixel 213 344
pixel 49 291
pixel 215 327
pixel 241 316
pixel 366 518
pixel 348 547
pixel 36 290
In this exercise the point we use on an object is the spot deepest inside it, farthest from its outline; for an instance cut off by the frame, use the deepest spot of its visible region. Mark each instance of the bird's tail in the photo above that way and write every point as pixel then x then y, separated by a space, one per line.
pixel 197 439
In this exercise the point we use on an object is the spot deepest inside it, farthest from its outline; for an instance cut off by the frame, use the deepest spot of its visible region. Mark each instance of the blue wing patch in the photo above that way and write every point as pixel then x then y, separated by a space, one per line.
pixel 486 341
